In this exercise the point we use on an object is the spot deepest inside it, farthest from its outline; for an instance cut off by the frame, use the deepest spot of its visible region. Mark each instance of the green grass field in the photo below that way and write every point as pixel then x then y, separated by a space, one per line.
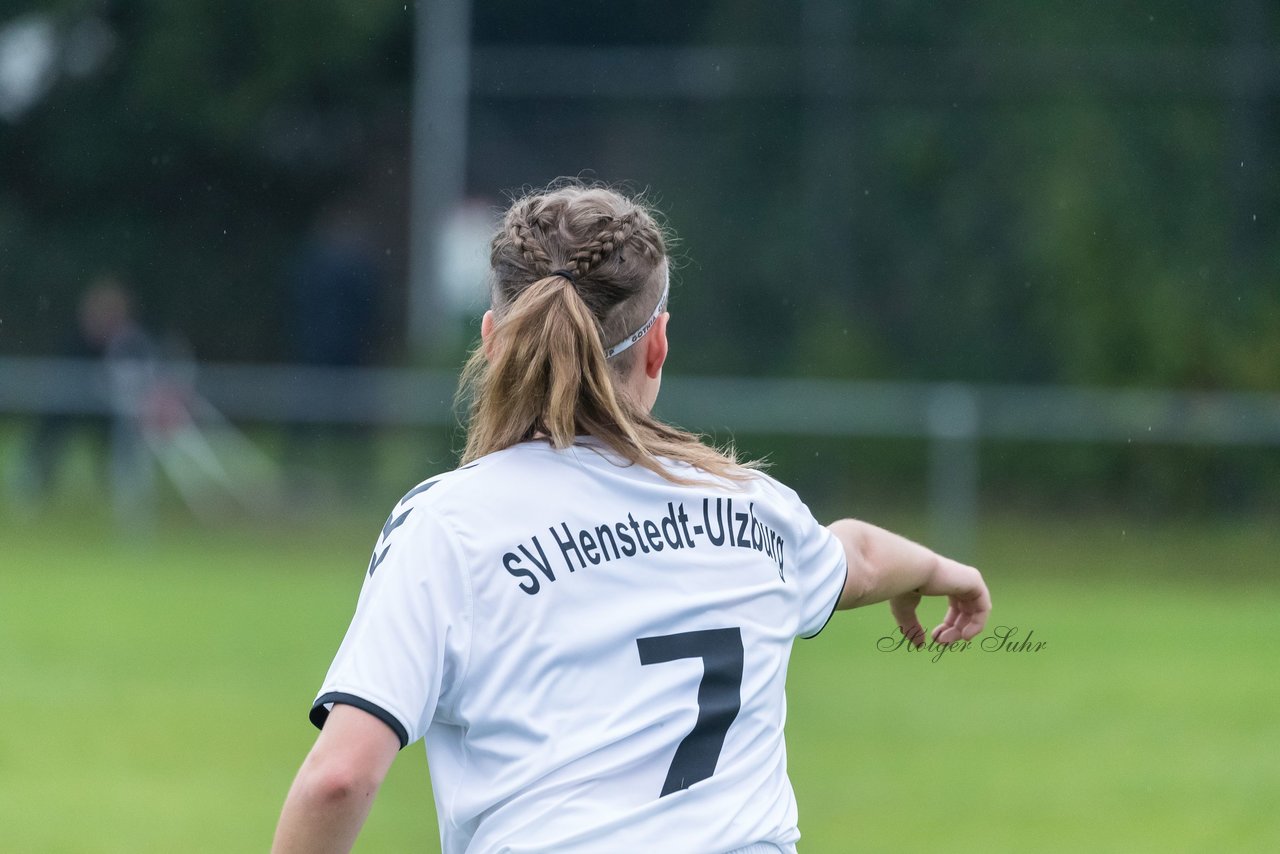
pixel 154 697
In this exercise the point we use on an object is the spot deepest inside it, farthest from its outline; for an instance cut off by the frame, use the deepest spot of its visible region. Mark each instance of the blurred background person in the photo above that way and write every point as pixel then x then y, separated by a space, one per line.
pixel 106 329
pixel 333 289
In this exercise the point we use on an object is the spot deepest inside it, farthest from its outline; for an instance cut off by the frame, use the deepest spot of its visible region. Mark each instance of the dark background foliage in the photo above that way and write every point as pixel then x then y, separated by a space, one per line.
pixel 996 191
pixel 999 191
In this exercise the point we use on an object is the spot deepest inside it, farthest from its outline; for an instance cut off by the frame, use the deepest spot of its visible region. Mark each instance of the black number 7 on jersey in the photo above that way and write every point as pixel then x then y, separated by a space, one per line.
pixel 719 697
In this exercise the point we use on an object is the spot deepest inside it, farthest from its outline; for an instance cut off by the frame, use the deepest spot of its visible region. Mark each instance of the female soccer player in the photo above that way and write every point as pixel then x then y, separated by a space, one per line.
pixel 589 621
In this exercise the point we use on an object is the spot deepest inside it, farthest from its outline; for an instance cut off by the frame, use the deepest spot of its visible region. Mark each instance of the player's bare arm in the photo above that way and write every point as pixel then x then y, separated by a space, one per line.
pixel 884 566
pixel 331 796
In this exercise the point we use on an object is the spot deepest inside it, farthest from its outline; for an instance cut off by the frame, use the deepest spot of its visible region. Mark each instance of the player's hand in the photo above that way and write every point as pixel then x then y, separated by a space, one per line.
pixel 968 604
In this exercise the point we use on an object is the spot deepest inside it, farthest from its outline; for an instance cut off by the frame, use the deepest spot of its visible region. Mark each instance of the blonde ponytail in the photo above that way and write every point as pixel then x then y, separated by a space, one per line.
pixel 543 372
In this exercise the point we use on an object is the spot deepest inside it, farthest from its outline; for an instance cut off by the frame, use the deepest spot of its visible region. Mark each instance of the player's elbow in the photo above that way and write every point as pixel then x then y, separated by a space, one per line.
pixel 337 782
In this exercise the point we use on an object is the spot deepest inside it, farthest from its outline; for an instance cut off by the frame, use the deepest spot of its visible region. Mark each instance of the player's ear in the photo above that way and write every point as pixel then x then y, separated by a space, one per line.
pixel 486 333
pixel 655 350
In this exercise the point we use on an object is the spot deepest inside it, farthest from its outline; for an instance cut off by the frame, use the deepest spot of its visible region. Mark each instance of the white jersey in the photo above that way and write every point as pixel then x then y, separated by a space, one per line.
pixel 595 656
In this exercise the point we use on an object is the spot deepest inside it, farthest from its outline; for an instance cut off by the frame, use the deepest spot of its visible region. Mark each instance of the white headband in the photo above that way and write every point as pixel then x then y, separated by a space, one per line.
pixel 622 345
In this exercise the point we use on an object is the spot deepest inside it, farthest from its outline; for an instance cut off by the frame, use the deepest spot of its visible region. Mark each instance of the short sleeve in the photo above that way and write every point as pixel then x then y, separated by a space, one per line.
pixel 406 643
pixel 816 563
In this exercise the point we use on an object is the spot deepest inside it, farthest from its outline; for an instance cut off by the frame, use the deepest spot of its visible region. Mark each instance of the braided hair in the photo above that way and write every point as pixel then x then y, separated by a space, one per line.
pixel 575 269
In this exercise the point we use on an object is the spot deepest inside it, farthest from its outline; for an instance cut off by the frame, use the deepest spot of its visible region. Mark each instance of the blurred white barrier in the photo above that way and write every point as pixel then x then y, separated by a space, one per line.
pixel 954 417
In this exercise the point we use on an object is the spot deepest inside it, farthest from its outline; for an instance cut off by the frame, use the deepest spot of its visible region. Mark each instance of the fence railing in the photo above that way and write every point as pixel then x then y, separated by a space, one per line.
pixel 952 417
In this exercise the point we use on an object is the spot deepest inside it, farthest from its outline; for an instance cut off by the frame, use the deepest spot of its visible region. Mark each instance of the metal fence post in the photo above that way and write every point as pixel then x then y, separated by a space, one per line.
pixel 953 419
pixel 441 101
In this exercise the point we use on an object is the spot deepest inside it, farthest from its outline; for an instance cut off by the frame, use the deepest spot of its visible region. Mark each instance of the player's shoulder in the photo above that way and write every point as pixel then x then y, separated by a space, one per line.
pixel 439 489
pixel 422 512
pixel 473 481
